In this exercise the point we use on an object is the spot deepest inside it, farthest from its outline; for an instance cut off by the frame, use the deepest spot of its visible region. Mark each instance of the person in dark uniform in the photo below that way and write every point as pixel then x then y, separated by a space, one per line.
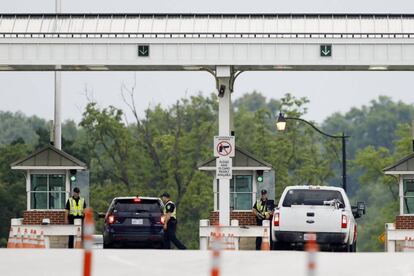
pixel 170 223
pixel 74 210
pixel 263 210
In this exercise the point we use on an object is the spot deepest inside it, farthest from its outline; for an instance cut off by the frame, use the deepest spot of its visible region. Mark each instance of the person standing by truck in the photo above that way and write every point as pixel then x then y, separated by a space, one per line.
pixel 263 210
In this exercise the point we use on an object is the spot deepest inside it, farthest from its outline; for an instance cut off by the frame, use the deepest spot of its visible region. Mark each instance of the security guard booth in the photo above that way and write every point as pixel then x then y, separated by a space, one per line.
pixel 399 236
pixel 245 187
pixel 50 176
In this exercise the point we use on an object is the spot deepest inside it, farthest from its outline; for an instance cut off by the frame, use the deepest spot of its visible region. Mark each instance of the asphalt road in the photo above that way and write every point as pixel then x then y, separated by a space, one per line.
pixel 65 262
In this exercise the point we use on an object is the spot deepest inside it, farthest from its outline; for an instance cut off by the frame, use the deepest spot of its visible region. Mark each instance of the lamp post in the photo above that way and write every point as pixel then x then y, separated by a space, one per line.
pixel 281 126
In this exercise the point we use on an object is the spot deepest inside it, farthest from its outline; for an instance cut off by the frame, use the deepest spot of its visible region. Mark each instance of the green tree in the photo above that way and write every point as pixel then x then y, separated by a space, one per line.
pixel 158 152
pixel 300 156
pixel 379 191
pixel 110 143
pixel 12 188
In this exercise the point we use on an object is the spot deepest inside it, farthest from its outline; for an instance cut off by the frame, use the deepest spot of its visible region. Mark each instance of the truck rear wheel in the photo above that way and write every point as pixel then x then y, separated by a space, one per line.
pixel 350 248
pixel 353 247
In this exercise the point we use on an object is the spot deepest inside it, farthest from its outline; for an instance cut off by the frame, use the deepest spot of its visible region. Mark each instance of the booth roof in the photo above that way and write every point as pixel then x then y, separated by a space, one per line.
pixel 48 157
pixel 242 159
pixel 403 166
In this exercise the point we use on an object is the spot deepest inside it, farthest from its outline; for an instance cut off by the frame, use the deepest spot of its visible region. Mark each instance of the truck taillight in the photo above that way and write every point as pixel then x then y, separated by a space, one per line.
pixel 162 219
pixel 276 219
pixel 344 221
pixel 111 219
pixel 355 232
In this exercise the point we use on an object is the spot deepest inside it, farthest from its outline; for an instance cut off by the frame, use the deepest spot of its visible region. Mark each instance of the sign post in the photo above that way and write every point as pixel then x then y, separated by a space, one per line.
pixel 224 77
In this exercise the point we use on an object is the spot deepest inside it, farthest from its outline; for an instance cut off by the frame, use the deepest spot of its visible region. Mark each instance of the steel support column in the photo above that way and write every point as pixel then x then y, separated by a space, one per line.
pixel 224 78
pixel 57 121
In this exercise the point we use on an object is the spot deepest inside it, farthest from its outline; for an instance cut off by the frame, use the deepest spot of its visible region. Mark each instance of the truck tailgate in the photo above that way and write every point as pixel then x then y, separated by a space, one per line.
pixel 302 218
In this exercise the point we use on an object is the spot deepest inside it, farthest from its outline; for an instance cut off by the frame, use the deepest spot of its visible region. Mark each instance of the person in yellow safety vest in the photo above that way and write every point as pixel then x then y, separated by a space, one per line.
pixel 74 210
pixel 170 223
pixel 263 210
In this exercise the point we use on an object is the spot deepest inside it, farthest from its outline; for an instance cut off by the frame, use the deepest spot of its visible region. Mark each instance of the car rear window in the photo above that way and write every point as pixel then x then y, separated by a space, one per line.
pixel 310 197
pixel 145 205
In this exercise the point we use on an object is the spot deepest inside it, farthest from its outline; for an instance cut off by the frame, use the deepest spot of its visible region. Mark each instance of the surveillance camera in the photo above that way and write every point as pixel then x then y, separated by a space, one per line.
pixel 222 90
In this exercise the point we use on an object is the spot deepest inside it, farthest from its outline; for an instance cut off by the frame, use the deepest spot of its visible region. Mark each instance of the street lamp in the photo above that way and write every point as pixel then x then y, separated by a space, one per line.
pixel 281 126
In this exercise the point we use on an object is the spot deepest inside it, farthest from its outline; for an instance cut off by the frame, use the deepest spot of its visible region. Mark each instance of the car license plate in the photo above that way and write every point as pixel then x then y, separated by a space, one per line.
pixel 137 221
pixel 309 237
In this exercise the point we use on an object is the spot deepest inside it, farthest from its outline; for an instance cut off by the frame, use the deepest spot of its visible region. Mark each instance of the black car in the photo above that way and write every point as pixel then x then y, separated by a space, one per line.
pixel 134 222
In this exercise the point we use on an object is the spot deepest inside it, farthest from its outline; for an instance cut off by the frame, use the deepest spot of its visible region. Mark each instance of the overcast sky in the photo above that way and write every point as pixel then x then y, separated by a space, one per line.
pixel 32 92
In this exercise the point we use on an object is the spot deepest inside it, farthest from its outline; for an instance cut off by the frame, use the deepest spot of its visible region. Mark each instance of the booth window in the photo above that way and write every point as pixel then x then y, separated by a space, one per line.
pixel 241 192
pixel 47 191
pixel 408 196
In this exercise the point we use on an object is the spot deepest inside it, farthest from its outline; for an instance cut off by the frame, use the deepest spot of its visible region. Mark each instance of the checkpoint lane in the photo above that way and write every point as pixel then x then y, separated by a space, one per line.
pixel 181 263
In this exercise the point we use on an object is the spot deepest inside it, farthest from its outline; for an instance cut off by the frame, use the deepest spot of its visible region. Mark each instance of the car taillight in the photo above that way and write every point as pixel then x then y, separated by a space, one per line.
pixel 276 219
pixel 162 219
pixel 111 219
pixel 344 221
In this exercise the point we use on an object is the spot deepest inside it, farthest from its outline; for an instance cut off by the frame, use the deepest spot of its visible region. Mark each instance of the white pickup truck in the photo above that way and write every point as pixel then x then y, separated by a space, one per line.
pixel 304 211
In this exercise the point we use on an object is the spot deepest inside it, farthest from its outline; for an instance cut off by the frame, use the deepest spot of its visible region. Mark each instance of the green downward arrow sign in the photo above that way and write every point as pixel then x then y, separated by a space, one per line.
pixel 143 50
pixel 326 50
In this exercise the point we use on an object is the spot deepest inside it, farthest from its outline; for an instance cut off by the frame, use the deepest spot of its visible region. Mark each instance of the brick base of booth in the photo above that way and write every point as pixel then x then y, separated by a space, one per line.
pixel 244 218
pixel 35 217
pixel 404 222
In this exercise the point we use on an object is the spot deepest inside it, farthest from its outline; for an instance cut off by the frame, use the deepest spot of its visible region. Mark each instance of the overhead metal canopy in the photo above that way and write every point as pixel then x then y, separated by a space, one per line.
pixel 78 42
pixel 161 24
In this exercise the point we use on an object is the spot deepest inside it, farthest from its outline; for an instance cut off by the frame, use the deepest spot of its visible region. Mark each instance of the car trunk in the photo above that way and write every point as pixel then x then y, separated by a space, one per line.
pixel 138 216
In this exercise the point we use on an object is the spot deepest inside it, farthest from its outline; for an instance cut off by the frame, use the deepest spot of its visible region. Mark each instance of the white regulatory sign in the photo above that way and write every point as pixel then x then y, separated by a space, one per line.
pixel 224 168
pixel 224 146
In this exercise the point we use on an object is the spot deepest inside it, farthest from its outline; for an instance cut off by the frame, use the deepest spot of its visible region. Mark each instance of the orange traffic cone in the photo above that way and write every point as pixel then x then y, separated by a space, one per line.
pixel 265 241
pixel 216 248
pixel 88 242
pixel 41 243
pixel 312 247
pixel 230 243
pixel 31 243
pixel 78 242
pixel 19 241
pixel 11 243
pixel 25 239
pixel 35 240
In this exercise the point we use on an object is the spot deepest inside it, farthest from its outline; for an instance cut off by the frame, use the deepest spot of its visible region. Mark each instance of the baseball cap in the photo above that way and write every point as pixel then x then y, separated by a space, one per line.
pixel 165 194
pixel 263 192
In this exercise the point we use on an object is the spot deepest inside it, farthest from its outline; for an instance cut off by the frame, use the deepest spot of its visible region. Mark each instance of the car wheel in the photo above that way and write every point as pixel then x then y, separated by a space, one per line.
pixel 340 248
pixel 280 246
pixel 158 245
pixel 108 245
